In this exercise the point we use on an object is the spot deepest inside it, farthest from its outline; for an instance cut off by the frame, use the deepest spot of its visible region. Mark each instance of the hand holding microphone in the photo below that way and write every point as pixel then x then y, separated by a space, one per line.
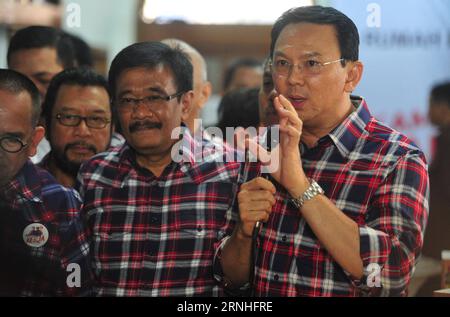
pixel 256 199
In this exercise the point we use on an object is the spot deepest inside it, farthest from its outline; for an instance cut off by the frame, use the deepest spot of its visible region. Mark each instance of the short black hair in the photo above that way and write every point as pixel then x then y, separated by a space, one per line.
pixel 346 31
pixel 16 83
pixel 40 37
pixel 83 77
pixel 235 65
pixel 150 55
pixel 441 93
pixel 83 52
pixel 239 108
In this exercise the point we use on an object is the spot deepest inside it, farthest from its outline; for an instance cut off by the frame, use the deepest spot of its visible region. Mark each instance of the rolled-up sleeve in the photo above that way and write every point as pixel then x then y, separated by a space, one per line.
pixel 392 238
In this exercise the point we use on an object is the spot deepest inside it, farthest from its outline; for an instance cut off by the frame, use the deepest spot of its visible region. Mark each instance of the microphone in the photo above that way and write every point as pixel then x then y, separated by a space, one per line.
pixel 269 142
pixel 258 224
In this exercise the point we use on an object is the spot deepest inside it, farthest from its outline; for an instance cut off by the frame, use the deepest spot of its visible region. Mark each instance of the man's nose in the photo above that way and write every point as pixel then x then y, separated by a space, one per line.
pixel 296 76
pixel 82 129
pixel 141 111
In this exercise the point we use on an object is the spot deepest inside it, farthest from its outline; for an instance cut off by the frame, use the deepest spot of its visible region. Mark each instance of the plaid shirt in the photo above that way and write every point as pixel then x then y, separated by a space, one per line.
pixel 156 236
pixel 27 269
pixel 379 179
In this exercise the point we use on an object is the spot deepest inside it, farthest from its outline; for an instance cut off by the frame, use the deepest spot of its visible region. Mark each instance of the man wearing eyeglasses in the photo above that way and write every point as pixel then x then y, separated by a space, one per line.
pixel 156 206
pixel 40 232
pixel 78 118
pixel 346 212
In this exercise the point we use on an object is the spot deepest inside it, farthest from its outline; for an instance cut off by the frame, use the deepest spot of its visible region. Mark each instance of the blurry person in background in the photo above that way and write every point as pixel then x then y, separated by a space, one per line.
pixel 78 120
pixel 437 235
pixel 40 52
pixel 83 52
pixel 267 113
pixel 202 87
pixel 239 108
pixel 242 73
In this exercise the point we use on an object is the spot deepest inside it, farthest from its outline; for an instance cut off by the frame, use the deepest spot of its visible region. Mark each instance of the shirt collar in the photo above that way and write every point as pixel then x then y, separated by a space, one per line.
pixel 346 135
pixel 196 158
pixel 26 185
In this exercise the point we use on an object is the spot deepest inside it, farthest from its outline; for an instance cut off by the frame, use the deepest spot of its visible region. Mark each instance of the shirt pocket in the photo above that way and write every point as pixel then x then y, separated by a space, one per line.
pixel 202 212
pixel 111 236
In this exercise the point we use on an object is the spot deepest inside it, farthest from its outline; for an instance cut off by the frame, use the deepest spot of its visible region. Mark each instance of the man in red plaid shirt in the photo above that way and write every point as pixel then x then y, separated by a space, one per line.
pixel 156 216
pixel 345 213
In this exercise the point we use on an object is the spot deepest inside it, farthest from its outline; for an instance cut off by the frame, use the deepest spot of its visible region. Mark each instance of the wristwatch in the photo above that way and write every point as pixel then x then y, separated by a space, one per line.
pixel 313 190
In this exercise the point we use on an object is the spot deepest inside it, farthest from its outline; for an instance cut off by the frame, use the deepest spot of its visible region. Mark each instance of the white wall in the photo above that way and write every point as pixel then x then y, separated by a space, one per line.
pixel 107 24
pixel 405 46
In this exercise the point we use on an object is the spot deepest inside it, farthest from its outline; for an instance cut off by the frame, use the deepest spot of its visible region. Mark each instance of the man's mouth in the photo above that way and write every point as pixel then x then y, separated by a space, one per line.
pixel 81 148
pixel 298 102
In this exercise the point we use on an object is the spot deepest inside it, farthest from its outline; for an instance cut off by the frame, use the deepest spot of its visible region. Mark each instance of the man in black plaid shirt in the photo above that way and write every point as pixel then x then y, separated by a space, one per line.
pixel 42 241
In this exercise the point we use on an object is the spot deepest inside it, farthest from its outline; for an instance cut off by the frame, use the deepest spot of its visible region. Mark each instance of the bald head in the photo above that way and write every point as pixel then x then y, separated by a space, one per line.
pixel 202 87
pixel 197 60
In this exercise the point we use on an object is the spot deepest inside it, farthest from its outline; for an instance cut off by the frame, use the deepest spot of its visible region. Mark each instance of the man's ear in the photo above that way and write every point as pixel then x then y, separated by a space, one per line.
pixel 354 75
pixel 186 105
pixel 205 93
pixel 38 134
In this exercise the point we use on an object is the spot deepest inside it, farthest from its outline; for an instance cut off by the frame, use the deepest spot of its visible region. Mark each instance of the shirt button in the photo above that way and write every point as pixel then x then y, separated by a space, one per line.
pixel 199 229
pixel 284 238
pixel 276 277
pixel 153 219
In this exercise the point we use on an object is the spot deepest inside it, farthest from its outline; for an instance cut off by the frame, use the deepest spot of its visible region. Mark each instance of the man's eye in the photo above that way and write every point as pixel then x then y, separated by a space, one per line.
pixel 154 98
pixel 312 63
pixel 97 119
pixel 127 100
pixel 69 116
pixel 44 81
pixel 282 63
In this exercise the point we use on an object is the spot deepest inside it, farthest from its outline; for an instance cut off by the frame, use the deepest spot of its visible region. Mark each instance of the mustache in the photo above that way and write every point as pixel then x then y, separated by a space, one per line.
pixel 144 125
pixel 89 146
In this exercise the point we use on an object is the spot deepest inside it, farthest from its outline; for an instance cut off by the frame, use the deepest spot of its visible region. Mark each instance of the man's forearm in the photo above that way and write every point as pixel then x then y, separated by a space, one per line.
pixel 235 258
pixel 336 232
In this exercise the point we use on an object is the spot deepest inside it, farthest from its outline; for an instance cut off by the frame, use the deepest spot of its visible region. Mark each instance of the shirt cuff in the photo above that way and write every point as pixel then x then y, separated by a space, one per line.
pixel 375 248
pixel 229 288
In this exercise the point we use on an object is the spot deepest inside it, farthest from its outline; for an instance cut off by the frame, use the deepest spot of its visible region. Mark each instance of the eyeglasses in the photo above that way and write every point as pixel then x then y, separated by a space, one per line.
pixel 283 68
pixel 158 101
pixel 12 144
pixel 72 120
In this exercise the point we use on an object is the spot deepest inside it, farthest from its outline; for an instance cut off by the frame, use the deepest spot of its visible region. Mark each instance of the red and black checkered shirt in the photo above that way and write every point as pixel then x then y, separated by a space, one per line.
pixel 27 269
pixel 156 236
pixel 379 179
